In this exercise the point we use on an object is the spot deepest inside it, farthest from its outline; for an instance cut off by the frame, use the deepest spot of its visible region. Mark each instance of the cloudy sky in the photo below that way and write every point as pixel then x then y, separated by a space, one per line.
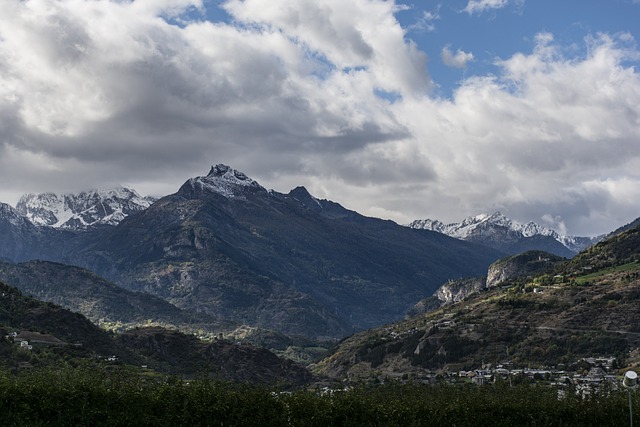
pixel 400 110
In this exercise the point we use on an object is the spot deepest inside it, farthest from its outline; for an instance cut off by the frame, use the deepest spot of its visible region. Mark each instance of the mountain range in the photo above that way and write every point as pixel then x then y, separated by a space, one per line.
pixel 223 255
pixel 509 236
pixel 225 247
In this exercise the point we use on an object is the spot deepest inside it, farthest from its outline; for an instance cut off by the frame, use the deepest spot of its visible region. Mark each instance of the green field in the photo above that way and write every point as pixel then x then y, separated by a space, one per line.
pixel 588 278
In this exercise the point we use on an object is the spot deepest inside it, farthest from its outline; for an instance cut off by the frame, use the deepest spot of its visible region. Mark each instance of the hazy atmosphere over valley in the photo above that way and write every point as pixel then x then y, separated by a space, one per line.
pixel 395 109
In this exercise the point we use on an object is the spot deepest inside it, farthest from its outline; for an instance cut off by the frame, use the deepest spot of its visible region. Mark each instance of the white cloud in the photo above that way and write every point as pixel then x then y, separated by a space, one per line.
pixel 359 33
pixel 96 93
pixel 479 6
pixel 457 60
pixel 426 21
pixel 529 140
pixel 113 86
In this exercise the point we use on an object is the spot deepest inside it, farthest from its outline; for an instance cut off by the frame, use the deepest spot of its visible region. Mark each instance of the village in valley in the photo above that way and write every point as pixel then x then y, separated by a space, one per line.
pixel 586 376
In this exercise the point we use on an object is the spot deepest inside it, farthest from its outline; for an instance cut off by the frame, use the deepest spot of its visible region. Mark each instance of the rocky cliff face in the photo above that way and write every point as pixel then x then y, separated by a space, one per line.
pixel 457 290
pixel 500 273
pixel 451 292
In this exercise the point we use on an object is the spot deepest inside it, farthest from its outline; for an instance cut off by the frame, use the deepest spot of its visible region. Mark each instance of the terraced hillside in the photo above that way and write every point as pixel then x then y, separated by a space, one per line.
pixel 588 306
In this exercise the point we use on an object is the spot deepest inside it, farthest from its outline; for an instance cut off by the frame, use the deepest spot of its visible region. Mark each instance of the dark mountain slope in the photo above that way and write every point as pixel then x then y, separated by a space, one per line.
pixel 99 300
pixel 21 240
pixel 58 336
pixel 172 351
pixel 621 248
pixel 633 224
pixel 225 245
pixel 22 313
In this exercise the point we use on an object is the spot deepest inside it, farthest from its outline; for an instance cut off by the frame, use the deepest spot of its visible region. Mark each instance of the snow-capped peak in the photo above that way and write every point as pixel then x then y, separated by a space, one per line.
pixel 226 181
pixel 461 230
pixel 484 224
pixel 82 210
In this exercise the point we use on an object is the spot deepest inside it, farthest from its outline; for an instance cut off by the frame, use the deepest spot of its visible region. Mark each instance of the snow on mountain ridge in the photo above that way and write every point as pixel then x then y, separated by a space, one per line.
pixel 226 181
pixel 475 224
pixel 82 210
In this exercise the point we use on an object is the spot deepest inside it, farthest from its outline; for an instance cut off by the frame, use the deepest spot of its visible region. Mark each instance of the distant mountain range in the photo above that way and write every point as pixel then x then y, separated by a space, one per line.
pixel 83 210
pixel 499 232
pixel 89 209
pixel 226 247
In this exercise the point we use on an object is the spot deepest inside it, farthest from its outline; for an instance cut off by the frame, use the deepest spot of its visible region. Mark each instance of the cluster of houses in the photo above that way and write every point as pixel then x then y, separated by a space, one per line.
pixel 593 374
pixel 15 338
pixel 25 340
pixel 594 371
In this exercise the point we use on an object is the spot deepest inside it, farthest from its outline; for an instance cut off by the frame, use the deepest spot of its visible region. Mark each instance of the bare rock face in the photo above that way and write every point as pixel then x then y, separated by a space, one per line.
pixel 458 290
pixel 500 272
pixel 451 292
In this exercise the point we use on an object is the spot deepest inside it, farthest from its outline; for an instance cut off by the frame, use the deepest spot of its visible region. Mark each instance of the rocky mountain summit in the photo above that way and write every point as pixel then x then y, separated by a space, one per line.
pixel 499 232
pixel 223 180
pixel 82 210
pixel 11 216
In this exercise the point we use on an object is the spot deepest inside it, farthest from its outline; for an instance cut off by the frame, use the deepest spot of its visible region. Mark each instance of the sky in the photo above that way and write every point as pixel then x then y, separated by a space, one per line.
pixel 396 109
